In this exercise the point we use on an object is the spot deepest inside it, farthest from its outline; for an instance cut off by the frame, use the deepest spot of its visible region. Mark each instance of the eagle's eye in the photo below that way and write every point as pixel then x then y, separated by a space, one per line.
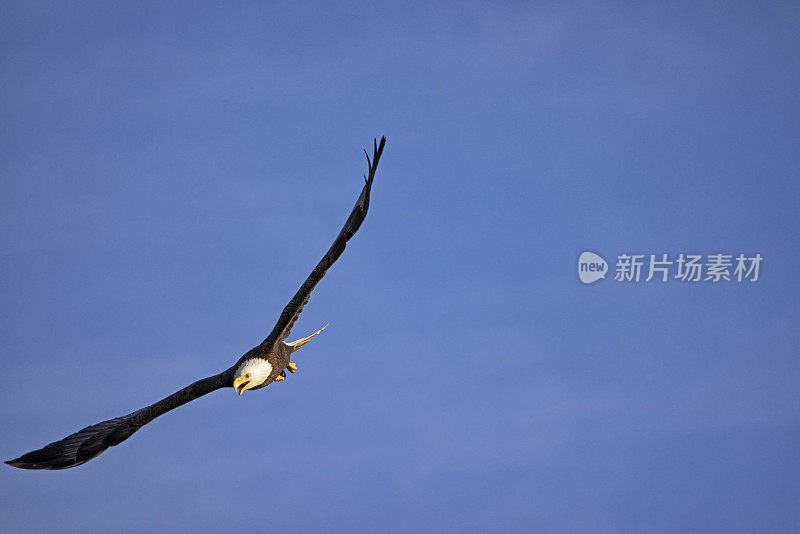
pixel 247 376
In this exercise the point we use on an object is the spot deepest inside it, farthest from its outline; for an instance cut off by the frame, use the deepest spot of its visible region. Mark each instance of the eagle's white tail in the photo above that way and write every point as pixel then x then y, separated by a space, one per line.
pixel 303 340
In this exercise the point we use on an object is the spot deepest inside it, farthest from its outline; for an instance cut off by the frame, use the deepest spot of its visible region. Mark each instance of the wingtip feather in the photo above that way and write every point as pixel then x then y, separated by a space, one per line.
pixel 77 448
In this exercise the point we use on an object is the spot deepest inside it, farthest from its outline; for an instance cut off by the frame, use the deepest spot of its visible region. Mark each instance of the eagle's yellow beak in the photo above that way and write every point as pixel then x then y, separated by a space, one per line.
pixel 240 384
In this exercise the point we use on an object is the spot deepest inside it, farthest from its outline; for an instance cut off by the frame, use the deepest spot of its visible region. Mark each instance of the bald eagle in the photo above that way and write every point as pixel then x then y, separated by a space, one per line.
pixel 259 367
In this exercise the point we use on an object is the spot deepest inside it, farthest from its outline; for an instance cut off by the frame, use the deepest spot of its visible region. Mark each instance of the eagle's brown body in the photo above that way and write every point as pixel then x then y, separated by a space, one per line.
pixel 278 358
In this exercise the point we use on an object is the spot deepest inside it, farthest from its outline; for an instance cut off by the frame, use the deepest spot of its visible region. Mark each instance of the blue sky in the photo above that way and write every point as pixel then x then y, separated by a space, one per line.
pixel 171 173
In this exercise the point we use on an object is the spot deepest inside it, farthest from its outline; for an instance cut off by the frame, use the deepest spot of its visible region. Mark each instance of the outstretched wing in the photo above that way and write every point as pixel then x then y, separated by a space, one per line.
pixel 292 310
pixel 85 444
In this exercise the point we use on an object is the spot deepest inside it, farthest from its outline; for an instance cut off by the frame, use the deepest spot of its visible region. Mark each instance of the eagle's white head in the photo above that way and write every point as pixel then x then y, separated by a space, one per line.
pixel 251 373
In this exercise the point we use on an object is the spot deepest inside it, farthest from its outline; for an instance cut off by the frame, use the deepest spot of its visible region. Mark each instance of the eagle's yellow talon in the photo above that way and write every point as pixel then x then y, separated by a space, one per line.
pixel 292 367
pixel 279 378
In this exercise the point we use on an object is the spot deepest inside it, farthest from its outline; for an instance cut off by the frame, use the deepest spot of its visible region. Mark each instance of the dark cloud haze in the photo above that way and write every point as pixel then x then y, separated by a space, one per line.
pixel 171 172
